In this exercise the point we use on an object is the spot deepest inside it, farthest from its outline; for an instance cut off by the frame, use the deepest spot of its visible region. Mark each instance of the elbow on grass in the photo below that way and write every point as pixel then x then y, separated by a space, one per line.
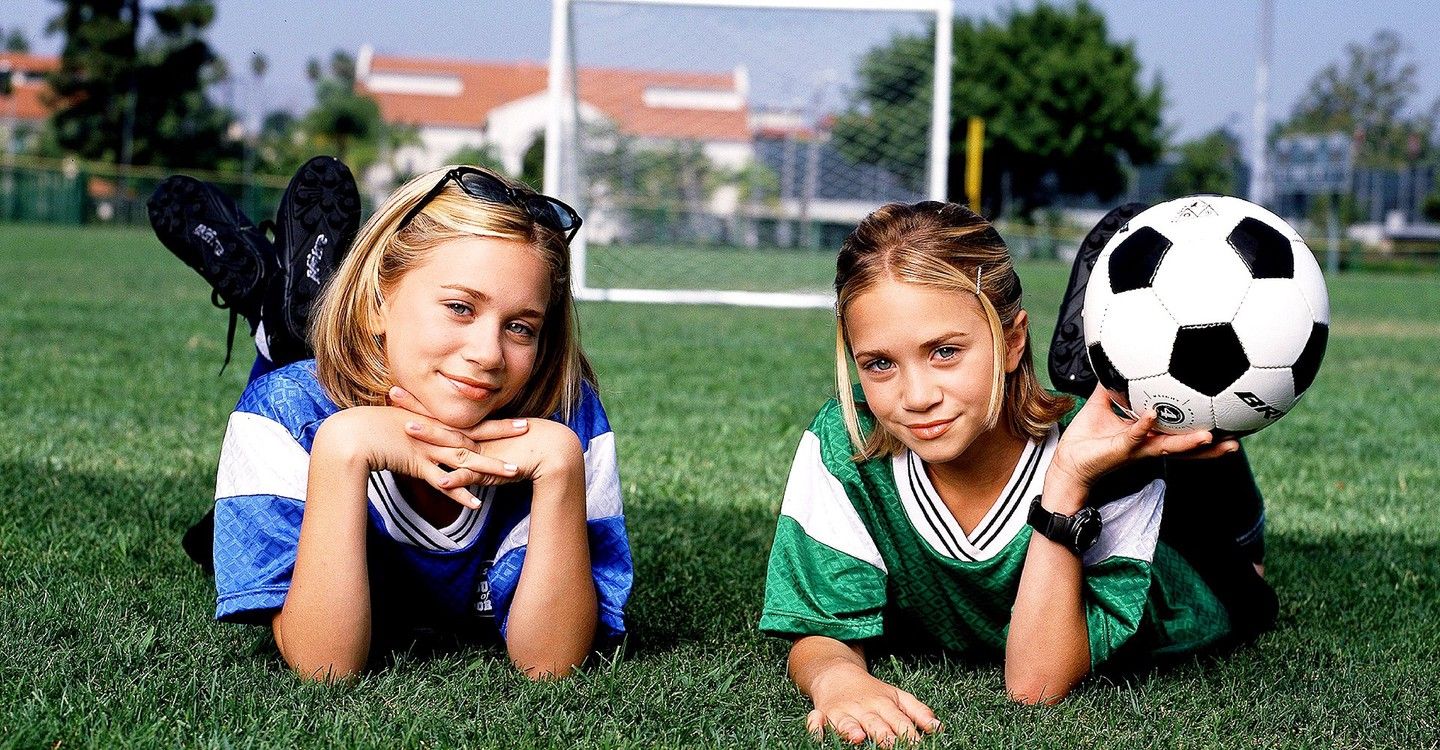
pixel 330 673
pixel 1037 689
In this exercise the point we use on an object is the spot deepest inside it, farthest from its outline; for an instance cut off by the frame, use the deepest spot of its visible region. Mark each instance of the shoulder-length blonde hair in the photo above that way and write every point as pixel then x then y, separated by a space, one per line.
pixel 350 353
pixel 949 247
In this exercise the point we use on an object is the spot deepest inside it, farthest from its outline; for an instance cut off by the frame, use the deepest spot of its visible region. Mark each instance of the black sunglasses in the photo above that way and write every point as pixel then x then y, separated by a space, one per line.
pixel 551 213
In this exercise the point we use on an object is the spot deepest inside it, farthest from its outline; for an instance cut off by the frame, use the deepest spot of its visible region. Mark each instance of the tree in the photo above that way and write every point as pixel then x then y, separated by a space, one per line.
pixel 477 156
pixel 1208 164
pixel 118 99
pixel 1063 105
pixel 16 41
pixel 1367 95
pixel 343 119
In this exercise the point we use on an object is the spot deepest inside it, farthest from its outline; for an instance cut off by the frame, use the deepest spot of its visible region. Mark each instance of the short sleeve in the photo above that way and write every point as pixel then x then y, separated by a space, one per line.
pixel 1118 569
pixel 825 576
pixel 610 560
pixel 259 502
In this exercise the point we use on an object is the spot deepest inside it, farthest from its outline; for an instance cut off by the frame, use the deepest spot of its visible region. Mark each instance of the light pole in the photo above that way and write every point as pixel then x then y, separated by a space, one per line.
pixel 1260 173
pixel 7 89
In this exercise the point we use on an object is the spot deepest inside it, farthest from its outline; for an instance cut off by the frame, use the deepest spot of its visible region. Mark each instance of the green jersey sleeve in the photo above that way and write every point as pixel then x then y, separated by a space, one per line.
pixel 1118 569
pixel 826 576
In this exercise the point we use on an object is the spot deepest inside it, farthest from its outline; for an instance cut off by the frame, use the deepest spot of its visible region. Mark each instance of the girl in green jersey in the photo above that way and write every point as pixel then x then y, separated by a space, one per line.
pixel 939 505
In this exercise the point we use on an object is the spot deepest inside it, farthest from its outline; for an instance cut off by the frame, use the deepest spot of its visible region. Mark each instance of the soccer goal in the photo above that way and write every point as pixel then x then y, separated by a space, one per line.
pixel 719 150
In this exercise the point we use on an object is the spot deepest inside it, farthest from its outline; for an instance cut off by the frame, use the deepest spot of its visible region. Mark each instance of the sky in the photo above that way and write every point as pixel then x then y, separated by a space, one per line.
pixel 1203 51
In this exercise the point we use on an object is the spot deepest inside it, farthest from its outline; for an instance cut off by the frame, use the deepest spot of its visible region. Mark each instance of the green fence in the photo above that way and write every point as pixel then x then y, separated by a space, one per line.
pixel 67 191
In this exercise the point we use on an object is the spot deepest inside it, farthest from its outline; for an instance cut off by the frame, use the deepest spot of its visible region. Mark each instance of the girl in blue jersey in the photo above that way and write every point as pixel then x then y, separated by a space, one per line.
pixel 940 507
pixel 443 463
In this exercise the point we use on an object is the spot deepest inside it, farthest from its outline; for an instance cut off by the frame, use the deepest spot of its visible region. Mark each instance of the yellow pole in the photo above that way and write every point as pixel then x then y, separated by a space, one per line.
pixel 975 145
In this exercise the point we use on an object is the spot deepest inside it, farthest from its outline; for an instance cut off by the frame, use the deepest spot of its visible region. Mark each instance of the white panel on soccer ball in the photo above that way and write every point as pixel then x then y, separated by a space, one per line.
pixel 1137 334
pixel 1097 297
pixel 1201 280
pixel 1178 408
pixel 1312 283
pixel 1273 323
pixel 1257 399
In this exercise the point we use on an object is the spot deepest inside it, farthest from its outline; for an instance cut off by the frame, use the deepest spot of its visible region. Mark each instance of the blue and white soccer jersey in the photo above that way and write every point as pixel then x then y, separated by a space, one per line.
pixel 458 578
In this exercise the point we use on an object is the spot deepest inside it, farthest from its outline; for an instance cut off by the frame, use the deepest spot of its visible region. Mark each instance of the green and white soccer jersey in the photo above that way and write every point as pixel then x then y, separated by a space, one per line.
pixel 863 549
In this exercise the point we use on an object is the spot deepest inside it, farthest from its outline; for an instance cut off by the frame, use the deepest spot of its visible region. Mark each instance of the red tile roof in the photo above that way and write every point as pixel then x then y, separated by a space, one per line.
pixel 618 93
pixel 26 103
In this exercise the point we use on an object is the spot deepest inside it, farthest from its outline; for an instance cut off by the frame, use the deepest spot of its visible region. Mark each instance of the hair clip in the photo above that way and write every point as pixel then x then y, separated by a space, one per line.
pixel 837 309
pixel 977 278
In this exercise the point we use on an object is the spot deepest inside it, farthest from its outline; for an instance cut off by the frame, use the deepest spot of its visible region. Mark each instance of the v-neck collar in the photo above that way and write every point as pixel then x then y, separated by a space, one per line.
pixel 404 524
pixel 1006 516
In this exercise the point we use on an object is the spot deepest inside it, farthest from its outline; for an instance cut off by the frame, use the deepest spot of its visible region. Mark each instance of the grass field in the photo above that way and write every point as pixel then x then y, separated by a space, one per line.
pixel 111 421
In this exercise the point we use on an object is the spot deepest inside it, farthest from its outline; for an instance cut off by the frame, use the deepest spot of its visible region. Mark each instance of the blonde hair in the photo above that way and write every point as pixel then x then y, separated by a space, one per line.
pixel 350 357
pixel 949 247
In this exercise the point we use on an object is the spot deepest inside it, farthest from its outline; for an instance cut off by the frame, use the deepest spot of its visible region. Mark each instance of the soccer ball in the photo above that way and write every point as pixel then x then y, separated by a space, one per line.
pixel 1211 311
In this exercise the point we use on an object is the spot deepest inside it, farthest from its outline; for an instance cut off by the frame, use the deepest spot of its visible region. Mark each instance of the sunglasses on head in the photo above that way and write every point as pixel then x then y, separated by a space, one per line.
pixel 551 213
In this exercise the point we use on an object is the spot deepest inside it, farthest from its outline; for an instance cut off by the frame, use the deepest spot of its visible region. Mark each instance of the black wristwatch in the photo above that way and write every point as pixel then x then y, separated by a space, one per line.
pixel 1076 533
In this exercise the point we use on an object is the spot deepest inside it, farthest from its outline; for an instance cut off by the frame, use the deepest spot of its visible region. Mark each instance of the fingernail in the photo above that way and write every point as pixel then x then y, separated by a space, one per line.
pixel 518 424
pixel 412 426
pixel 511 467
pixel 395 391
pixel 444 481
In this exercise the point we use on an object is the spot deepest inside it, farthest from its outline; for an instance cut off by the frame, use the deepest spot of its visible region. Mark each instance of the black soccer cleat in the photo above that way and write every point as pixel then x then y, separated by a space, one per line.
pixel 1069 364
pixel 318 218
pixel 206 229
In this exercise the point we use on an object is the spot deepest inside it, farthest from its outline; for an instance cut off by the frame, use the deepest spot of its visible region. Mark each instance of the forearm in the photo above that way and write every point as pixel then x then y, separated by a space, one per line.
pixel 815 658
pixel 551 622
pixel 1048 649
pixel 323 630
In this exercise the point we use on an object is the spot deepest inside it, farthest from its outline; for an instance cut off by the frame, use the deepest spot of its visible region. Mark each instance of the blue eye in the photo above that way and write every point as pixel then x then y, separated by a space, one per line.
pixel 878 365
pixel 947 352
pixel 459 308
pixel 521 329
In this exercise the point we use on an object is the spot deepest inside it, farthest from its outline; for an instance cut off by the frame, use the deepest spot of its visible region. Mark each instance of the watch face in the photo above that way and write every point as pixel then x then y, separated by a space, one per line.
pixel 1087 529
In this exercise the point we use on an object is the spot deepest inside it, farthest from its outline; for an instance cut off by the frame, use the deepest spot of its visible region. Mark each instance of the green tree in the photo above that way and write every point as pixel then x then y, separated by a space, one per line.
pixel 1368 94
pixel 1208 164
pixel 1063 105
pixel 477 156
pixel 119 99
pixel 16 41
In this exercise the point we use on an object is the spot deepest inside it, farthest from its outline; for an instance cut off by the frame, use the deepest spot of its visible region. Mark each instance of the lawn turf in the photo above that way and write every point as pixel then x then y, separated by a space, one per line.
pixel 111 421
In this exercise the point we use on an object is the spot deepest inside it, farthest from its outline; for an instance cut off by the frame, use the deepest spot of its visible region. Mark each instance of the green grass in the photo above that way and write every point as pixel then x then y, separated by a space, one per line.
pixel 109 430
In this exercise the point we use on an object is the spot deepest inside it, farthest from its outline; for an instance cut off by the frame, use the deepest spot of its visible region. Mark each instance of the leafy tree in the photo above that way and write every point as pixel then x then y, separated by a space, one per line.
pixel 1063 105
pixel 479 156
pixel 1368 94
pixel 16 41
pixel 1208 164
pixel 119 99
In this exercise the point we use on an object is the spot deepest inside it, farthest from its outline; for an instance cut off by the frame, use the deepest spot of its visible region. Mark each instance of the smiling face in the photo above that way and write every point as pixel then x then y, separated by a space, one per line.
pixel 462 329
pixel 926 363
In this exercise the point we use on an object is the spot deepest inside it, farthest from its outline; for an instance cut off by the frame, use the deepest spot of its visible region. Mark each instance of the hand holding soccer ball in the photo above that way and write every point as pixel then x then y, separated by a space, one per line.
pixel 1209 310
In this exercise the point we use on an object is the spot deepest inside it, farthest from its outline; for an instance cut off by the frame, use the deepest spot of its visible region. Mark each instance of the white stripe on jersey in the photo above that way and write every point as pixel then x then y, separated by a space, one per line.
pixel 1131 526
pixel 818 502
pixel 934 522
pixel 602 478
pixel 260 457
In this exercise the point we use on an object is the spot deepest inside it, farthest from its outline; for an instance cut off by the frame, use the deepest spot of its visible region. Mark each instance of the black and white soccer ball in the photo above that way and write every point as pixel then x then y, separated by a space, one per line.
pixel 1211 311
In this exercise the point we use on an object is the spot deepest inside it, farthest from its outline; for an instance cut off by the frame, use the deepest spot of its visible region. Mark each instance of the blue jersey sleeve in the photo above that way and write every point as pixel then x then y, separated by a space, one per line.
pixel 609 543
pixel 260 492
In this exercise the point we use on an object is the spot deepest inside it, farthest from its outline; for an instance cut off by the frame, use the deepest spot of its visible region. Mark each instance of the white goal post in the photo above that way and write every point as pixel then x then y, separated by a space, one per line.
pixel 562 146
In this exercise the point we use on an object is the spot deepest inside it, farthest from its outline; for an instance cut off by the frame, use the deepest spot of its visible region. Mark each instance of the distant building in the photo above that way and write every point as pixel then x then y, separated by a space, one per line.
pixel 505 105
pixel 23 109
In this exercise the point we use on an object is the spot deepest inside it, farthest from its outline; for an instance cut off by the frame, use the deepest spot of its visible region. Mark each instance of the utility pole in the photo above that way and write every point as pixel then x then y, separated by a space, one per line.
pixel 1259 191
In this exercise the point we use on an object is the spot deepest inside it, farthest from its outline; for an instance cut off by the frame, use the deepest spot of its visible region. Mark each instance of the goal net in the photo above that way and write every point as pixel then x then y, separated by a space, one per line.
pixel 720 150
